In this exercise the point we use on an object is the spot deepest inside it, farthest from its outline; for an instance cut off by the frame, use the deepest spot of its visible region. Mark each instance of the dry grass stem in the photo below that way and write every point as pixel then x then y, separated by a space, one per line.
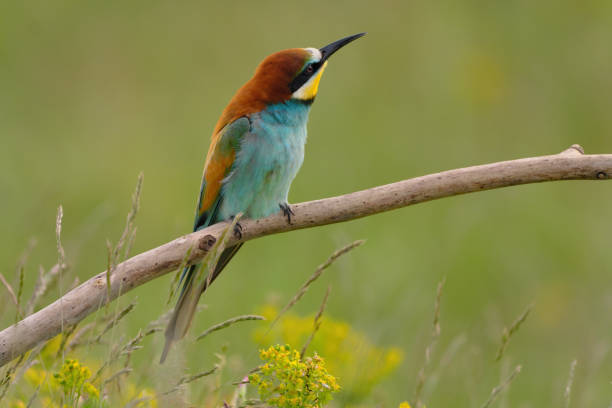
pixel 75 340
pixel 421 377
pixel 61 259
pixel 316 323
pixel 61 255
pixel 570 382
pixel 18 314
pixel 115 320
pixel 497 390
pixel 210 261
pixel 445 360
pixel 23 258
pixel 37 292
pixel 128 235
pixel 134 344
pixel 130 243
pixel 15 296
pixel 5 382
pixel 21 276
pixel 75 282
pixel 508 333
pixel 65 336
pixel 113 355
pixel 30 362
pixel 177 275
pixel 129 222
pixel 318 272
pixel 228 323
pixel 128 348
pixel 115 376
pixel 33 397
pixel 44 282
pixel 109 268
pixel 190 378
pixel 9 289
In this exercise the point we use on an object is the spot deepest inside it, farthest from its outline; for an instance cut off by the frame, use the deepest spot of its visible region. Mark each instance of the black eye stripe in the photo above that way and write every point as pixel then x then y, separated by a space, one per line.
pixel 304 76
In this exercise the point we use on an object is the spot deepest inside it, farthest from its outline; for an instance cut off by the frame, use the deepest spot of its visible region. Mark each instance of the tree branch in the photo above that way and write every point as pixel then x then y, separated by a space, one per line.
pixel 74 306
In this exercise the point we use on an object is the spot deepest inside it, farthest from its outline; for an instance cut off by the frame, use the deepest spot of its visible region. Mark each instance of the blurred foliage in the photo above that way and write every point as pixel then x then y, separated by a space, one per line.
pixel 359 364
pixel 94 92
pixel 70 385
pixel 285 379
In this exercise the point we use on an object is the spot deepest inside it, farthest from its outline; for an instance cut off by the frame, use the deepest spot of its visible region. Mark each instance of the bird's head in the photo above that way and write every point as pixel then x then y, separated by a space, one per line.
pixel 295 73
pixel 292 74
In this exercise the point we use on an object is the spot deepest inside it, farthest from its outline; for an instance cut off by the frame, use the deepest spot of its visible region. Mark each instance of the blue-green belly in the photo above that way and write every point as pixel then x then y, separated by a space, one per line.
pixel 268 160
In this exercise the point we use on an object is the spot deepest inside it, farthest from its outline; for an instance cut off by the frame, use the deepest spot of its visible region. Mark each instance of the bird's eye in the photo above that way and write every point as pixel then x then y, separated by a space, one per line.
pixel 310 69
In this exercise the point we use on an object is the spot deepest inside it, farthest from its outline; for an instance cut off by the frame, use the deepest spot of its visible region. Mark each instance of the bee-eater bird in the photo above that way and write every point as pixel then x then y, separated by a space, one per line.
pixel 256 150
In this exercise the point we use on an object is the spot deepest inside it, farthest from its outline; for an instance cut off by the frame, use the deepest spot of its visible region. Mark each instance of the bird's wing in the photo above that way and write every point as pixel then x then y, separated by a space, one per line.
pixel 218 166
pixel 219 162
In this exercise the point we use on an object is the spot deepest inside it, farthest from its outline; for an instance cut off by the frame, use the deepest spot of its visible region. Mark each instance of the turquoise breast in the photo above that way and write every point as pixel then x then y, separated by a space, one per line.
pixel 270 155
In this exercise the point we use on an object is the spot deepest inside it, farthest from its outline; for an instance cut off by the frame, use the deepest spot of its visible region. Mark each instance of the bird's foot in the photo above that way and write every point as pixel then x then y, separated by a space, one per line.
pixel 237 229
pixel 287 211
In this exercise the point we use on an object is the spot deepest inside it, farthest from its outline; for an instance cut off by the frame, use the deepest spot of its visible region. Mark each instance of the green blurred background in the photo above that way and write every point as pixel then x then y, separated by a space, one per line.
pixel 92 93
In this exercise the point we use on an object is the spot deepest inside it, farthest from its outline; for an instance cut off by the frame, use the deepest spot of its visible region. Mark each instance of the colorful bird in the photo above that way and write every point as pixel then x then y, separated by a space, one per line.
pixel 256 150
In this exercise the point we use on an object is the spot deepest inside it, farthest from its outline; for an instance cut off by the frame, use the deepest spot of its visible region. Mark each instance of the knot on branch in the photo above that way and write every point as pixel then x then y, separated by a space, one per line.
pixel 206 242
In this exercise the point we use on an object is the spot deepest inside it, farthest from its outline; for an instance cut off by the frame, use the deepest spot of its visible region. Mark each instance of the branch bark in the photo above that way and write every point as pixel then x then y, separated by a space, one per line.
pixel 74 306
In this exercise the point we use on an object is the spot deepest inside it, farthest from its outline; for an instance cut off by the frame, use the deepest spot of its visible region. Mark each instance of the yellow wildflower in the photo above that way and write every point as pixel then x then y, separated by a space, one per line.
pixel 348 353
pixel 290 381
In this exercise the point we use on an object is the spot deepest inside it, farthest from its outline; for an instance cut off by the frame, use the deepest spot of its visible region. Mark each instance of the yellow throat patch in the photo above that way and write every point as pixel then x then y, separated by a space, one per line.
pixel 310 88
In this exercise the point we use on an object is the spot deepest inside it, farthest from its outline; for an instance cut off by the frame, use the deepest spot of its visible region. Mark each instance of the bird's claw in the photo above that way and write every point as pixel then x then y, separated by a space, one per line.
pixel 287 211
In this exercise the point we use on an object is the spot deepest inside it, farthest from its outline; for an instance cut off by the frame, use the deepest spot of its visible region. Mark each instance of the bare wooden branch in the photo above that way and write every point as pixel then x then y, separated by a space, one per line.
pixel 83 300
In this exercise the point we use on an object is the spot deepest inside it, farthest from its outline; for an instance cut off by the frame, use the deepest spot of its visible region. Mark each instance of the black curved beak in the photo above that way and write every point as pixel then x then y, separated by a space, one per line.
pixel 328 50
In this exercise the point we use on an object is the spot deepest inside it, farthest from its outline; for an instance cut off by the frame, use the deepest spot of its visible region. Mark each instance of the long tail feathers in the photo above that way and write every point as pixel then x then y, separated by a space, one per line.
pixel 188 301
pixel 182 316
